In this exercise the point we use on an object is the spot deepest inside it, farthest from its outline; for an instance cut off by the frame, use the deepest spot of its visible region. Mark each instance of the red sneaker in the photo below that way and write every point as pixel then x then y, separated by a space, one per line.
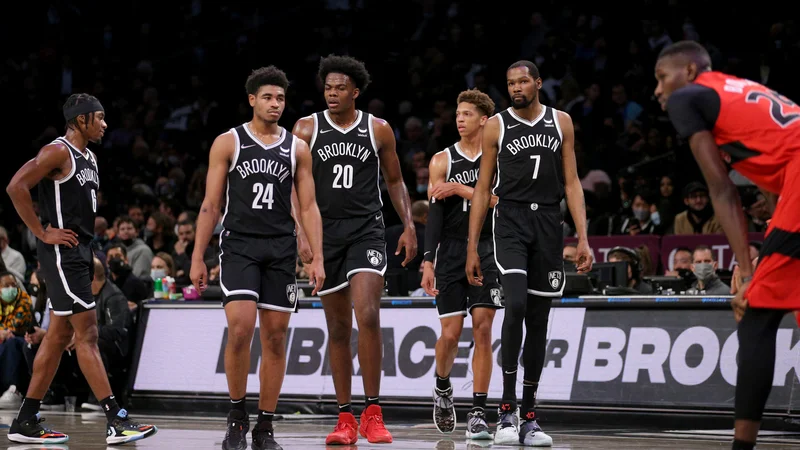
pixel 372 426
pixel 345 431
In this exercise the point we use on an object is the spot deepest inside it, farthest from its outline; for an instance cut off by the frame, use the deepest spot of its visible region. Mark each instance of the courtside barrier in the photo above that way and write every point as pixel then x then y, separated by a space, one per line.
pixel 642 352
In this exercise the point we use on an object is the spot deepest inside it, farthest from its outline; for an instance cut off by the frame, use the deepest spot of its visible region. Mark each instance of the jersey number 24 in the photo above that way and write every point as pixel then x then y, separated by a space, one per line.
pixel 263 196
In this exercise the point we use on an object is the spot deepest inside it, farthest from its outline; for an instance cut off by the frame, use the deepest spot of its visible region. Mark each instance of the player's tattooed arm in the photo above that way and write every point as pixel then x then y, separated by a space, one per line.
pixel 51 161
pixel 572 186
pixel 390 166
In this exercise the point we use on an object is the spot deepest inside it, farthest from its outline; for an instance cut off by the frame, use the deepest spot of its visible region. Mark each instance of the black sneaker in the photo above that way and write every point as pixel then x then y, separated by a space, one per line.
pixel 238 426
pixel 122 430
pixel 264 437
pixel 31 431
pixel 444 411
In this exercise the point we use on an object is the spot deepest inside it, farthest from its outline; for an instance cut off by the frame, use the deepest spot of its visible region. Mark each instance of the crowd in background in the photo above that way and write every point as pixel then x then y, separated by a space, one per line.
pixel 172 81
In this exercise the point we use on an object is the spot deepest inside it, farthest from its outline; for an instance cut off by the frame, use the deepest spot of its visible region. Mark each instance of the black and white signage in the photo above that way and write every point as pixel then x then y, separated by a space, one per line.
pixel 644 357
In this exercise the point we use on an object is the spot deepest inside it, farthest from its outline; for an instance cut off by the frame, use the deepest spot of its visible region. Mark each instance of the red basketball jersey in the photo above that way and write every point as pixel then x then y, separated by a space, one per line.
pixel 758 130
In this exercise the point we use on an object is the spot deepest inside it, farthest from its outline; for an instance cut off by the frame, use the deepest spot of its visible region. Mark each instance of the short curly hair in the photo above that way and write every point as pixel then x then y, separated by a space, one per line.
pixel 264 76
pixel 481 101
pixel 346 65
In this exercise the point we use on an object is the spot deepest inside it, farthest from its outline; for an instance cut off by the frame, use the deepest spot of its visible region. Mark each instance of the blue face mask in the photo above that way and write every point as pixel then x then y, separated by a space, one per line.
pixel 655 218
pixel 422 188
pixel 9 294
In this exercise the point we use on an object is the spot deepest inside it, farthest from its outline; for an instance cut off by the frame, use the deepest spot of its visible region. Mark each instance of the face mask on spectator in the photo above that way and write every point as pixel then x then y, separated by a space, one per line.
pixel 116 265
pixel 641 214
pixel 703 271
pixel 157 274
pixel 422 188
pixel 127 242
pixel 655 218
pixel 9 294
pixel 148 233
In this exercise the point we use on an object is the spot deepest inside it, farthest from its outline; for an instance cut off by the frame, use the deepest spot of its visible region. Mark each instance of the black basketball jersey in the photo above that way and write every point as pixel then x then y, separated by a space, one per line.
pixel 529 166
pixel 461 169
pixel 71 202
pixel 259 195
pixel 346 167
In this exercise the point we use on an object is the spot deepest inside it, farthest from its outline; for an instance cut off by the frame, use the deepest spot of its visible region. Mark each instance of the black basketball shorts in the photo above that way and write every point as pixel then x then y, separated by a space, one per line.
pixel 456 296
pixel 351 246
pixel 257 268
pixel 528 239
pixel 68 273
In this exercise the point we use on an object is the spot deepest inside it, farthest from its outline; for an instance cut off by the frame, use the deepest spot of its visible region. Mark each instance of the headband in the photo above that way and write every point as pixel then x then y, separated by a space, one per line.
pixel 87 107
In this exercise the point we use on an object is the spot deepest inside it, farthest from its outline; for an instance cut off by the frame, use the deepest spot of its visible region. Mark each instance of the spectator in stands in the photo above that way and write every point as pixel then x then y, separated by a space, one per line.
pixel 182 251
pixel 136 214
pixel 15 262
pixel 138 254
pixel 704 267
pixel 668 202
pixel 101 235
pixel 134 288
pixel 569 253
pixel 646 219
pixel 633 258
pixel 15 319
pixel 162 266
pixel 681 262
pixel 113 318
pixel 699 217
pixel 758 211
pixel 159 233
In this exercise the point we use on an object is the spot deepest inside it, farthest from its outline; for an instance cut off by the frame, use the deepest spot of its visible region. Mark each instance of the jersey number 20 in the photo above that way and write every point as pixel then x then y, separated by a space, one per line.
pixel 343 176
pixel 263 195
pixel 776 110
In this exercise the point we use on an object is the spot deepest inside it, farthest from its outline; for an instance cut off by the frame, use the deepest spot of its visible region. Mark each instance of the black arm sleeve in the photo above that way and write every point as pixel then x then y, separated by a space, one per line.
pixel 693 108
pixel 433 229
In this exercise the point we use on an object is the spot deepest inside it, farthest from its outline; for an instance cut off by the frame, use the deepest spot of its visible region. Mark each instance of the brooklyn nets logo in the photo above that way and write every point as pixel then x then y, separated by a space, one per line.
pixel 554 278
pixel 291 293
pixel 495 294
pixel 374 257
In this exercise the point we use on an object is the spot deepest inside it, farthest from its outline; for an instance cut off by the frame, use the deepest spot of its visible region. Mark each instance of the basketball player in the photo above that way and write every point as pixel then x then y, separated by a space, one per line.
pixel 530 149
pixel 67 175
pixel 350 148
pixel 260 162
pixel 453 173
pixel 736 121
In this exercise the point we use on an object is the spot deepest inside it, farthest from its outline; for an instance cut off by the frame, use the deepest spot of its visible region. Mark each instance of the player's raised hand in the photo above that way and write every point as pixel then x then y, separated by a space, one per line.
pixel 60 236
pixel 408 241
pixel 316 274
pixel 474 274
pixel 428 279
pixel 584 257
pixel 199 275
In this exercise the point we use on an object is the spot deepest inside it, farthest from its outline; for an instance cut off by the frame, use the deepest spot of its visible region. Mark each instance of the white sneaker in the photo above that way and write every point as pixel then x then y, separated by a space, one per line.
pixel 507 428
pixel 11 399
pixel 531 435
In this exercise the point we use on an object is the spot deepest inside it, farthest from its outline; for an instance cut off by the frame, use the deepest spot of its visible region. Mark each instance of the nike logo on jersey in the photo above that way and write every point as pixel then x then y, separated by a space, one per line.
pixel 362 130
pixel 325 131
pixel 457 161
pixel 512 126
pixel 248 146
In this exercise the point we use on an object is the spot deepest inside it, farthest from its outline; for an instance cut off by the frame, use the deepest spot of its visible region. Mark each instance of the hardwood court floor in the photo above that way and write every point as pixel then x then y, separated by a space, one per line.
pixel 87 432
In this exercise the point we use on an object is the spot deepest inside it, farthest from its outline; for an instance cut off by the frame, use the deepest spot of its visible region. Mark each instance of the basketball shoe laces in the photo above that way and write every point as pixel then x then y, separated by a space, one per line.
pixel 343 426
pixel 377 422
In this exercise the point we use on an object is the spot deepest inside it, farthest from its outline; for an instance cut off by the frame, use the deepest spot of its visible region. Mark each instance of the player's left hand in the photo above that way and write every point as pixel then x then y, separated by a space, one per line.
pixel 428 279
pixel 739 303
pixel 444 190
pixel 316 274
pixel 584 258
pixel 408 241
